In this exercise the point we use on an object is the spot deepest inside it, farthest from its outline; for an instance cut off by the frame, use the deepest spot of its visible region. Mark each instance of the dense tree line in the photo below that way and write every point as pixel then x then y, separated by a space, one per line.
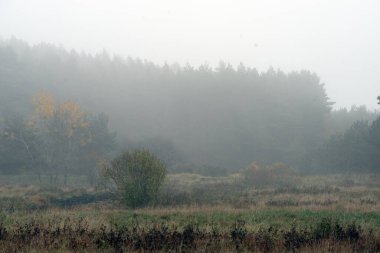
pixel 356 149
pixel 343 118
pixel 226 117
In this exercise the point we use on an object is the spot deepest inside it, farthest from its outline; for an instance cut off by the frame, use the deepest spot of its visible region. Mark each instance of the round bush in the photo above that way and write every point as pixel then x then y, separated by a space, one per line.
pixel 137 175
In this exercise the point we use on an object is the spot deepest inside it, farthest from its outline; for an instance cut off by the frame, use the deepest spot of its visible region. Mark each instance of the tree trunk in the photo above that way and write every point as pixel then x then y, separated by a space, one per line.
pixel 39 177
pixel 65 179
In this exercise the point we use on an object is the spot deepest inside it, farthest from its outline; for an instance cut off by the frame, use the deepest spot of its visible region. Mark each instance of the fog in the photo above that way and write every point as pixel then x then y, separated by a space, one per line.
pixel 189 126
pixel 336 39
pixel 206 86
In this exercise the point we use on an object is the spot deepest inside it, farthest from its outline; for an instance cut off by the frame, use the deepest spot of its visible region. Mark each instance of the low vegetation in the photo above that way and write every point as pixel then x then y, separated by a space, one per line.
pixel 229 232
pixel 199 213
pixel 137 175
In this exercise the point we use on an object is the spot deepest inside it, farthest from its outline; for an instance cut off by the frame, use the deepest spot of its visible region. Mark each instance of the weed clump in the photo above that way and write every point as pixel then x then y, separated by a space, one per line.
pixel 278 174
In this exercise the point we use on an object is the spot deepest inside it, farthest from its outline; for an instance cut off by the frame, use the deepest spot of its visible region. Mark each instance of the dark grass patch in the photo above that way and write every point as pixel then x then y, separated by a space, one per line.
pixel 80 199
pixel 73 235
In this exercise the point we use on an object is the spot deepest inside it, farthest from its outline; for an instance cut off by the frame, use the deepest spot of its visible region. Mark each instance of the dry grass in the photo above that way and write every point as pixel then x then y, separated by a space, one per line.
pixel 265 215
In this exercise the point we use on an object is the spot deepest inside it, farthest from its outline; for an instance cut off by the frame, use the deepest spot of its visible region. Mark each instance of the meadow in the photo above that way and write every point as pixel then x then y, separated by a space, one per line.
pixel 195 213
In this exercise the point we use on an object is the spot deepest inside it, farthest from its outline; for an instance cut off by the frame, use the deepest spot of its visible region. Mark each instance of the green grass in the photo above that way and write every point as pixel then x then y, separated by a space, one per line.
pixel 208 204
pixel 282 219
pixel 253 219
pixel 200 230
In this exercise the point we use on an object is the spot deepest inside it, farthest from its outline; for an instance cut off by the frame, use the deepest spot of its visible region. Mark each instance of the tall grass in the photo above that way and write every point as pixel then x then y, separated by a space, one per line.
pixel 76 234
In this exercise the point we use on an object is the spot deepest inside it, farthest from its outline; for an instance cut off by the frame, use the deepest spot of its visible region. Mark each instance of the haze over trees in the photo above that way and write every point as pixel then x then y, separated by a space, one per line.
pixel 224 117
pixel 356 149
pixel 189 126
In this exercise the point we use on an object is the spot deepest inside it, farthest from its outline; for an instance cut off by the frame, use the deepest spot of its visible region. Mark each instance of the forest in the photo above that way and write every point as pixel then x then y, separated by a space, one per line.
pixel 101 153
pixel 193 119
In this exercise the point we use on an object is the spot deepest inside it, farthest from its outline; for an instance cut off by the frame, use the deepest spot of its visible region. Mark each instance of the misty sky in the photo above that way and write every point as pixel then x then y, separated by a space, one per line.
pixel 337 39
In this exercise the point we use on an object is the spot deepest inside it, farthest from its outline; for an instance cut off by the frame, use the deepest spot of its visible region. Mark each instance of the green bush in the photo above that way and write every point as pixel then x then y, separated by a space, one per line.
pixel 137 175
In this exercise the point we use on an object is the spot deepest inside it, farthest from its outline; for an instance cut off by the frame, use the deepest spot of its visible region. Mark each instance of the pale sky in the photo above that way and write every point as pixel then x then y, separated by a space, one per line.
pixel 337 39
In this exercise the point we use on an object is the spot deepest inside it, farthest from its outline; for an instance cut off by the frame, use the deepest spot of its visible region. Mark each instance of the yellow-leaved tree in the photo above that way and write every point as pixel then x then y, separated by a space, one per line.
pixel 67 134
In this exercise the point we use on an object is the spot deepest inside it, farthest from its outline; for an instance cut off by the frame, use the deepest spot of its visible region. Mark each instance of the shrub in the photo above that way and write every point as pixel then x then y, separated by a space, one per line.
pixel 137 175
pixel 278 174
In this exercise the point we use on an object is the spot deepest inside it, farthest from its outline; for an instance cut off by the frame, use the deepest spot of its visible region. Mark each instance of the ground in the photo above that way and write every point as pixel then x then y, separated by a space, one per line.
pixel 306 213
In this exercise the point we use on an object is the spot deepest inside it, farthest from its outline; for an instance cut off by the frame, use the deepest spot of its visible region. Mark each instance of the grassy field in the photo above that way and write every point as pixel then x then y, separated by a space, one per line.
pixel 334 213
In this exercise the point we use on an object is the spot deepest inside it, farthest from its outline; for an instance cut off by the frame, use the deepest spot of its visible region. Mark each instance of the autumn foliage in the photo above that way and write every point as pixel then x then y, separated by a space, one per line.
pixel 67 139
